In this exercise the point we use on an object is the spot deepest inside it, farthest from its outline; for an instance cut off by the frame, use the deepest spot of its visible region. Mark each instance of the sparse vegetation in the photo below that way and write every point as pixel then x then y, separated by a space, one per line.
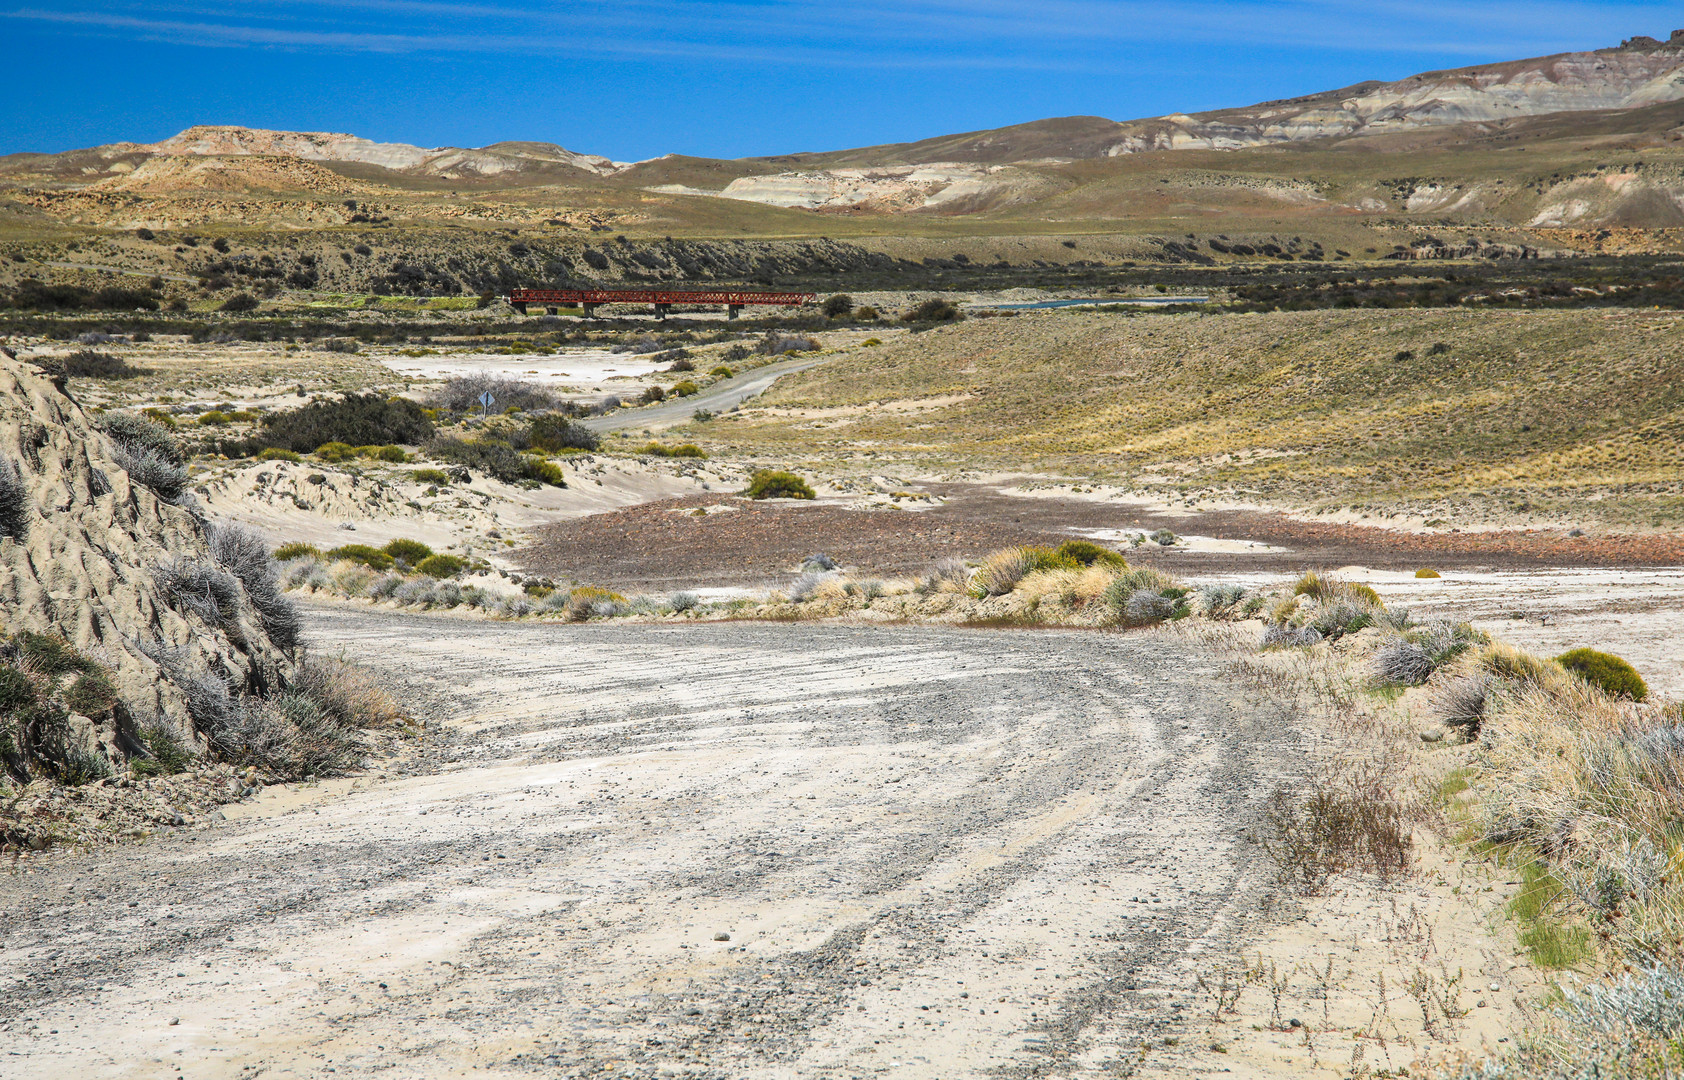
pixel 1348 822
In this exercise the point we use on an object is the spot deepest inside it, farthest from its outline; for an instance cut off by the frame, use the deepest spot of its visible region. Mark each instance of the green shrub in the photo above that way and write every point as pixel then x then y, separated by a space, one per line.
pixel 722 372
pixel 91 694
pixel 683 450
pixel 1606 672
pixel 835 307
pixel 240 302
pixel 409 551
pixel 684 388
pixel 935 309
pixel 389 452
pixel 431 476
pixel 557 433
pixel 169 755
pixel 1163 538
pixel 51 654
pixel 1364 592
pixel 545 472
pixel 442 566
pixel 16 691
pixel 91 364
pixel 335 452
pixel 297 549
pixel 1088 553
pixel 870 342
pixel 371 557
pixel 1424 572
pixel 214 418
pixel 777 484
pixel 355 420
pixel 275 453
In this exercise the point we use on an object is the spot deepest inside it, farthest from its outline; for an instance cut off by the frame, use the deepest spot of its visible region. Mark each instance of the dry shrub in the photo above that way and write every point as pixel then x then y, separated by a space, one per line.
pixel 348 693
pixel 1349 822
pixel 1461 702
pixel 946 576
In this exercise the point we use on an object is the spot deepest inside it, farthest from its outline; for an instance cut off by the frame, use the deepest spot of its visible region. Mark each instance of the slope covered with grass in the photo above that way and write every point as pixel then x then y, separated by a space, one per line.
pixel 1530 412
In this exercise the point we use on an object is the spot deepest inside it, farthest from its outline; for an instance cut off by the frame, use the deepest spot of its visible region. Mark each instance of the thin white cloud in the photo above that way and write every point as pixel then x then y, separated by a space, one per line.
pixel 1075 35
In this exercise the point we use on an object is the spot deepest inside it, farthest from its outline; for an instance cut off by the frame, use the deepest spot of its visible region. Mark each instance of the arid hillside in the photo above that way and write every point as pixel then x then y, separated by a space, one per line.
pixel 1571 415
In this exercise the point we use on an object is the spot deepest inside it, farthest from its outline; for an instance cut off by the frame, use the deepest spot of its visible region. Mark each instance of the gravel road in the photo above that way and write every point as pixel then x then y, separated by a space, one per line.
pixel 718 397
pixel 727 850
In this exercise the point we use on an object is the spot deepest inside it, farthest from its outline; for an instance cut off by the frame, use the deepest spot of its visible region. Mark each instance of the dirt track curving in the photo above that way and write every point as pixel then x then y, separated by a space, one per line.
pixel 935 852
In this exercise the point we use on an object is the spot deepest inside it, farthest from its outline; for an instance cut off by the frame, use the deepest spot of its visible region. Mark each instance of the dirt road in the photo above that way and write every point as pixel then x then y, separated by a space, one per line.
pixel 718 397
pixel 728 850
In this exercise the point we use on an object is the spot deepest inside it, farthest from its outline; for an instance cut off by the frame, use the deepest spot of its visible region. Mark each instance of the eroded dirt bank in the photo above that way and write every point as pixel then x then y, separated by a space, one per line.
pixel 728 850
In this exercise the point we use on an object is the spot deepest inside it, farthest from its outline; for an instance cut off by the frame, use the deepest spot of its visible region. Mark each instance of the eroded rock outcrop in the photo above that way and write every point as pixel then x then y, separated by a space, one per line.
pixel 127 577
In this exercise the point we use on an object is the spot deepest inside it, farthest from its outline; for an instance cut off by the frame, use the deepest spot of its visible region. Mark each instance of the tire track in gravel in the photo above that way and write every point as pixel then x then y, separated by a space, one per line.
pixel 935 852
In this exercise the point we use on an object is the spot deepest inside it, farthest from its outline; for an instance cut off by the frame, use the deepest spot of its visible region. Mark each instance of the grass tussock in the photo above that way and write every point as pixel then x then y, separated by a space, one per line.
pixel 1592 786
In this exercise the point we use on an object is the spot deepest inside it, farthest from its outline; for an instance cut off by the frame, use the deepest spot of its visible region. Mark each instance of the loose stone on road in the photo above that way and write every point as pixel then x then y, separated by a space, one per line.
pixel 721 850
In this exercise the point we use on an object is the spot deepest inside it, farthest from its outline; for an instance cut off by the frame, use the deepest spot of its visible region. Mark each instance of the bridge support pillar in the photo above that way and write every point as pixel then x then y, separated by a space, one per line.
pixel 733 310
pixel 661 310
pixel 552 310
pixel 590 310
pixel 519 305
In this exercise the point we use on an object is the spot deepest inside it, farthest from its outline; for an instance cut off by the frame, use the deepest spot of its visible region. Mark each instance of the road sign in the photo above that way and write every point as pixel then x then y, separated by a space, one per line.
pixel 487 400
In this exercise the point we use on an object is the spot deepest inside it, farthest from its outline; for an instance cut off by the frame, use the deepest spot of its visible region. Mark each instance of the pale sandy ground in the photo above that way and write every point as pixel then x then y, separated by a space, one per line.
pixel 936 853
pixel 742 850
pixel 375 503
pixel 570 370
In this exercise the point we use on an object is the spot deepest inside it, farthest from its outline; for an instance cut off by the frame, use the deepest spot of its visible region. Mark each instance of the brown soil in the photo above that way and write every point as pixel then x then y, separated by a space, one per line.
pixel 653 547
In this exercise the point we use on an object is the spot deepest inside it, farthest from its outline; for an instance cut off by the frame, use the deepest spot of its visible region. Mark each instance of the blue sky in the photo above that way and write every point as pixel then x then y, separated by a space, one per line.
pixel 636 78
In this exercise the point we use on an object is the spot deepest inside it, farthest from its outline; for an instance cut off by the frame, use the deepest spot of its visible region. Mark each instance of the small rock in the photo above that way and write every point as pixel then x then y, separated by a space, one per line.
pixel 347 525
pixel 1295 1022
pixel 174 1020
pixel 1432 736
pixel 722 936
pixel 1480 1004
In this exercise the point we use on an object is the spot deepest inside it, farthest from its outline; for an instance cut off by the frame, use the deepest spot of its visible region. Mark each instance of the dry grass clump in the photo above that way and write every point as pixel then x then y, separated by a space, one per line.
pixel 1000 571
pixel 946 576
pixel 1594 786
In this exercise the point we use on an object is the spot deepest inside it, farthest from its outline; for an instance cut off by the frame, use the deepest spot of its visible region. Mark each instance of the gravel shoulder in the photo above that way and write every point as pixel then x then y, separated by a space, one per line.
pixel 725 850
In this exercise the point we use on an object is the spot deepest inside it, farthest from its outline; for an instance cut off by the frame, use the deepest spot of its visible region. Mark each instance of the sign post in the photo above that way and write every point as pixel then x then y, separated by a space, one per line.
pixel 487 400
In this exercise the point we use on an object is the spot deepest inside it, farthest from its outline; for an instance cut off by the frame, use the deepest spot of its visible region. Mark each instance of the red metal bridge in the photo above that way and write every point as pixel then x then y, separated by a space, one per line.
pixel 662 299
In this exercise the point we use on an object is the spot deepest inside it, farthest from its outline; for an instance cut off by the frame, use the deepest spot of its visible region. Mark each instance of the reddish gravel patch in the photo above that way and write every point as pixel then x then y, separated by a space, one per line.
pixel 653 547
